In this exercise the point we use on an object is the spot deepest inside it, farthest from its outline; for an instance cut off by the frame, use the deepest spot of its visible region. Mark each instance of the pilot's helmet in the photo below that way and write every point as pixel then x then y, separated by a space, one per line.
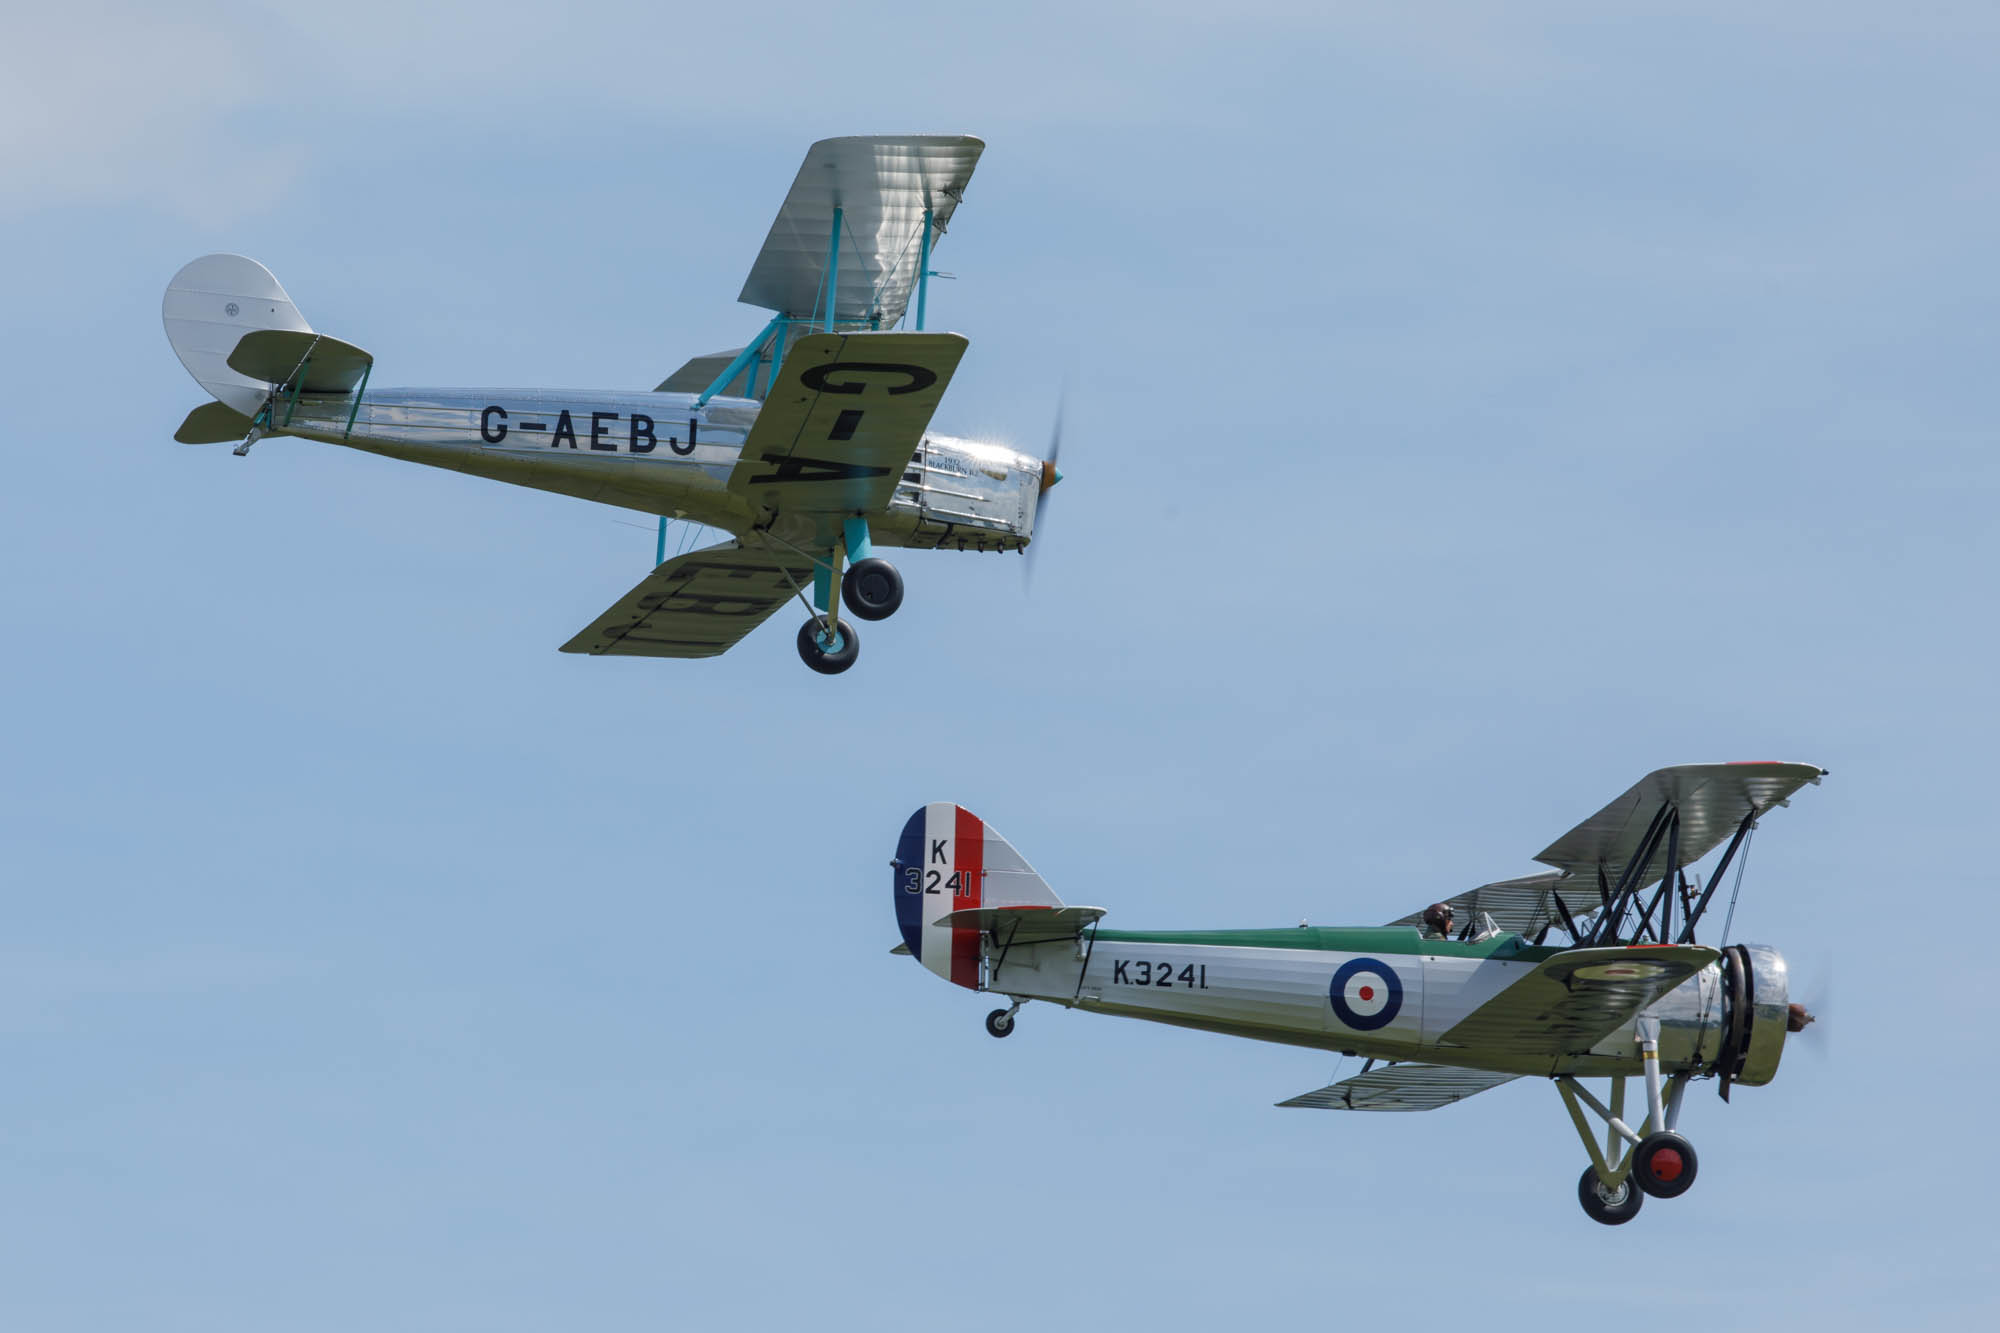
pixel 1437 918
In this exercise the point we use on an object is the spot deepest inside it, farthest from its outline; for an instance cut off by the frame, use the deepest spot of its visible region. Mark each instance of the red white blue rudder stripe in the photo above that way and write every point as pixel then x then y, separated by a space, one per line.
pixel 949 860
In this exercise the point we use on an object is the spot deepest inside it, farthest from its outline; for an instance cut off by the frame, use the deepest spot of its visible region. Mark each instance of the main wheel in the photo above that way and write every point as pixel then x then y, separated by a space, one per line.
pixel 828 654
pixel 872 589
pixel 999 1023
pixel 1612 1207
pixel 1664 1164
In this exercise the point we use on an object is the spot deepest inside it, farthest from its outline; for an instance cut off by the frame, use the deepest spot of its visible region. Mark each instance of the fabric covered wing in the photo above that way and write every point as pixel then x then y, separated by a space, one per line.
pixel 1525 905
pixel 881 185
pixel 1401 1088
pixel 847 413
pixel 1575 997
pixel 1712 799
pixel 696 605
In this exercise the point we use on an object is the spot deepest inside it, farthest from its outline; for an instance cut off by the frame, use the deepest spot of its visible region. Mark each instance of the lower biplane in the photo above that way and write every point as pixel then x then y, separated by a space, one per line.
pixel 1445 1003
pixel 811 445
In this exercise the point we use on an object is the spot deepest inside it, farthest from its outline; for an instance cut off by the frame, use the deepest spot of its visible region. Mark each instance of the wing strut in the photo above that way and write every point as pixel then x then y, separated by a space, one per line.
pixel 1715 878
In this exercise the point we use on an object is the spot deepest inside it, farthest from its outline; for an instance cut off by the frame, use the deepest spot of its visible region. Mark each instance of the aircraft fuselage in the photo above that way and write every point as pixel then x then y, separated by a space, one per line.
pixel 662 453
pixel 1383 992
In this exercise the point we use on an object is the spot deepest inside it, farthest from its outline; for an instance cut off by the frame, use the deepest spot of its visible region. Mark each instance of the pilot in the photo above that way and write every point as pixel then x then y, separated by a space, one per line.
pixel 1437 921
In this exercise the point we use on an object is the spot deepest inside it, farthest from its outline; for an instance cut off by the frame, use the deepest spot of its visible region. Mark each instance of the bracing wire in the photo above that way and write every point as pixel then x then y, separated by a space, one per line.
pixel 1741 865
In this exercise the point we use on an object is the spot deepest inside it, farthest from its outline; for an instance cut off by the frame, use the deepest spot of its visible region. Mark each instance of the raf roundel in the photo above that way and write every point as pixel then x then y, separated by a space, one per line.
pixel 1366 994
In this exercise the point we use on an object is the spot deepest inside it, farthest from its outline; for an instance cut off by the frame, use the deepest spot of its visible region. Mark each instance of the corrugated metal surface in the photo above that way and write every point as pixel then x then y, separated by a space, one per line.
pixel 1712 799
pixel 1401 1088
pixel 882 186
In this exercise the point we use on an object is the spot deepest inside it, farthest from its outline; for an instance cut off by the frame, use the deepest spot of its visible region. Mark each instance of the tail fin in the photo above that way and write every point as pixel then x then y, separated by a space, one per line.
pixel 950 860
pixel 210 305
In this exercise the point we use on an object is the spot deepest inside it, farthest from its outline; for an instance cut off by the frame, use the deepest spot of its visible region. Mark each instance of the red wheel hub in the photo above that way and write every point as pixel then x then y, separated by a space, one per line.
pixel 1666 1164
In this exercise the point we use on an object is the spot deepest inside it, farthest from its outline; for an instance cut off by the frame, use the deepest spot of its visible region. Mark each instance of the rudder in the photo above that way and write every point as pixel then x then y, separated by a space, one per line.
pixel 210 304
pixel 948 860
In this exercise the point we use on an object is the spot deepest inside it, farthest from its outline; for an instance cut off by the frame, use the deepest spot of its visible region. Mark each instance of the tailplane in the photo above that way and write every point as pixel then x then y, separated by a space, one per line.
pixel 957 878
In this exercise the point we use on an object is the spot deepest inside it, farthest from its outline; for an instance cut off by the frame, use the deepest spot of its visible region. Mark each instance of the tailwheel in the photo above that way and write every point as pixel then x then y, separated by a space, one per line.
pixel 828 653
pixel 1612 1206
pixel 1000 1022
pixel 872 588
pixel 1664 1164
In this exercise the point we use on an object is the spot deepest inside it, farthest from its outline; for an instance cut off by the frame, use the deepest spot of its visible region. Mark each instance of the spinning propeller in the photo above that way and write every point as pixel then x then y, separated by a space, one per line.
pixel 1051 474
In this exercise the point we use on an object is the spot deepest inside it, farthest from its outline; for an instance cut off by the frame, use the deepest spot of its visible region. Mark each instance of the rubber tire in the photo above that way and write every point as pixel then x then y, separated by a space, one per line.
pixel 1643 1171
pixel 999 1023
pixel 1611 1214
pixel 871 588
pixel 818 658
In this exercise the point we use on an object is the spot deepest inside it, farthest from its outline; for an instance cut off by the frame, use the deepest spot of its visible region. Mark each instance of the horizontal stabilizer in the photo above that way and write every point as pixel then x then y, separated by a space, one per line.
pixel 213 423
pixel 699 373
pixel 1576 997
pixel 319 363
pixel 1025 924
pixel 1401 1088
pixel 901 950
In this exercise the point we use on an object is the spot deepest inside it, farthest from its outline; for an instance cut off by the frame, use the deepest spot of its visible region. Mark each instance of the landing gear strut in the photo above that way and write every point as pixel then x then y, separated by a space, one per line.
pixel 1659 1162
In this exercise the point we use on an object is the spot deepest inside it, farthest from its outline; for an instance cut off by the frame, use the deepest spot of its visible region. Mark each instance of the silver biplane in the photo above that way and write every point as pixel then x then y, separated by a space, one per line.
pixel 811 445
pixel 1447 1002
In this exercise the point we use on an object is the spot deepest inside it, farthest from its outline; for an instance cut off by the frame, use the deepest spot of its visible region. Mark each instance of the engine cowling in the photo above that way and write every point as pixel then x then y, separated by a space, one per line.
pixel 1757 1014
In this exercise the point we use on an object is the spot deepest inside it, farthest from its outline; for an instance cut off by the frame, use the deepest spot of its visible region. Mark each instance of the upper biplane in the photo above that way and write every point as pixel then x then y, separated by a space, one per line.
pixel 1446 1002
pixel 811 445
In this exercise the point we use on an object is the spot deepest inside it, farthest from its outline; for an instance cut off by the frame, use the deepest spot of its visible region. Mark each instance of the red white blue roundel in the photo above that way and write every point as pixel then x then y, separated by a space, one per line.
pixel 1366 994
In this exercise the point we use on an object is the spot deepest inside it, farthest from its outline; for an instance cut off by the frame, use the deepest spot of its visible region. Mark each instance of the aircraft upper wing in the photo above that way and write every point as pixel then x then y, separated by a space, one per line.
pixel 1565 1005
pixel 1713 800
pixel 696 605
pixel 844 418
pixel 881 185
pixel 1401 1088
pixel 1525 905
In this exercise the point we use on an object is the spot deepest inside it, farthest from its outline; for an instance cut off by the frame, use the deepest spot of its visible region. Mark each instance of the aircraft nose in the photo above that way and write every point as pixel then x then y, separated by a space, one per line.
pixel 1051 474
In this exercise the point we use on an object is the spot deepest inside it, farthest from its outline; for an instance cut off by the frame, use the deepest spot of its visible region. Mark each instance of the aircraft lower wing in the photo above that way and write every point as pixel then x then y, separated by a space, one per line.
pixel 1401 1088
pixel 843 420
pixel 696 605
pixel 1564 1006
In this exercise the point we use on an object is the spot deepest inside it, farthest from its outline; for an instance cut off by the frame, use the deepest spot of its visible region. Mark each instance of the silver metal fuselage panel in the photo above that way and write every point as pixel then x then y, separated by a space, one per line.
pixel 1282 995
pixel 661 453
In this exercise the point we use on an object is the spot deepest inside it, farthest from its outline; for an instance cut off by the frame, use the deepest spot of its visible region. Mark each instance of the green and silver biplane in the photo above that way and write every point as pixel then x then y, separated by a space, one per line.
pixel 1446 1002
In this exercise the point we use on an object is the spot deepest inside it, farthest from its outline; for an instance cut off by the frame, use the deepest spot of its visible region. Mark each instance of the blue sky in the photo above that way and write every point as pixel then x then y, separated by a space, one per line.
pixel 1470 409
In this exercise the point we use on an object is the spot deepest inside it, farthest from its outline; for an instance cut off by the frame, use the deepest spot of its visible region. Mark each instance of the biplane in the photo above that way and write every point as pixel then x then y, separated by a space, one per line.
pixel 1447 1002
pixel 811 445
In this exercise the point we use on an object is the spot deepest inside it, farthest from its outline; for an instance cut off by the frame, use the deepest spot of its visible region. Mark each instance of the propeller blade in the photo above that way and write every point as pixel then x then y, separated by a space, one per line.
pixel 1051 474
